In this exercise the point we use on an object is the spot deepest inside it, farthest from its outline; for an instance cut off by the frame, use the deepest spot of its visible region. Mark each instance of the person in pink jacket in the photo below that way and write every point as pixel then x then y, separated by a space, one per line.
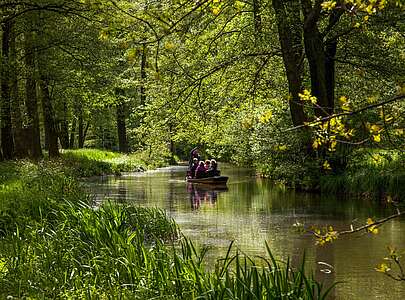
pixel 200 172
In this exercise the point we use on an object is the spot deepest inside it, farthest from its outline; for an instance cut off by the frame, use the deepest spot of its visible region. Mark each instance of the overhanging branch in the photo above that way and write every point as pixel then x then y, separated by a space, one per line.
pixel 350 113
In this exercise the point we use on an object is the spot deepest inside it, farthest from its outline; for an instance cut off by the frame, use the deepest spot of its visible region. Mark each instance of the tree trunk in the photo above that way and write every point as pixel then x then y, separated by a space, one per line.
pixel 143 76
pixel 290 35
pixel 317 68
pixel 330 53
pixel 330 50
pixel 257 19
pixel 172 146
pixel 21 147
pixel 31 101
pixel 72 134
pixel 321 64
pixel 121 127
pixel 81 128
pixel 64 129
pixel 49 121
pixel 7 142
pixel 121 122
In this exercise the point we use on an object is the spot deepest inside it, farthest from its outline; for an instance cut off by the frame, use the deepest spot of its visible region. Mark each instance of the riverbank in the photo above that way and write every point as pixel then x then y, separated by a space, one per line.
pixel 368 173
pixel 378 174
pixel 55 245
pixel 94 162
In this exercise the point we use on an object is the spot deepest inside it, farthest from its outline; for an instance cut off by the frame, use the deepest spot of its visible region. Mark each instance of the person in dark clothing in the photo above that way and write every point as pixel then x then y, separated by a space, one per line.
pixel 200 172
pixel 213 170
pixel 193 154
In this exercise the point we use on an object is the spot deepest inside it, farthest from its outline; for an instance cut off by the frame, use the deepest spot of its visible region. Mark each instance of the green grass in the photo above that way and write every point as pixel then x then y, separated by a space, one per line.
pixel 239 276
pixel 113 252
pixel 371 173
pixel 91 162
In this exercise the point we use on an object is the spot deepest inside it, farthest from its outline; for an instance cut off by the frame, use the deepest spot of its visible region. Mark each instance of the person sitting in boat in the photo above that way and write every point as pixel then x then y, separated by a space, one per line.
pixel 207 164
pixel 194 158
pixel 193 167
pixel 213 170
pixel 200 172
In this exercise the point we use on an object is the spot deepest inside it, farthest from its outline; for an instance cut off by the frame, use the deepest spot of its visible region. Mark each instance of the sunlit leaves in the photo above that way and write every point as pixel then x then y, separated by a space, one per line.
pixel 216 7
pixel 326 165
pixel 307 97
pixel 393 254
pixel 392 265
pixel 372 228
pixel 239 5
pixel 362 8
pixel 216 11
pixel 368 6
pixel 383 268
pixel 131 55
pixel 170 45
pixel 265 117
pixel 325 235
pixel 375 131
pixel 371 99
pixel 386 118
pixel 247 123
pixel 326 133
pixel 328 5
pixel 299 227
pixel 345 104
pixel 282 148
pixel 103 35
pixel 3 266
pixel 376 138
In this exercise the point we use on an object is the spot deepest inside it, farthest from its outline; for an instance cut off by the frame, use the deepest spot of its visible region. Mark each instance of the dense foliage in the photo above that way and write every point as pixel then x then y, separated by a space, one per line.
pixel 290 87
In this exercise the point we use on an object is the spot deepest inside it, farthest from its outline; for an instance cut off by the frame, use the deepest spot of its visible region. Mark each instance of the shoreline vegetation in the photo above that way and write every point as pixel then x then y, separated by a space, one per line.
pixel 55 245
pixel 369 173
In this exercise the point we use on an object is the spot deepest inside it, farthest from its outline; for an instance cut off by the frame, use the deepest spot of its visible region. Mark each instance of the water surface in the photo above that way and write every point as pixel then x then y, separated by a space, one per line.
pixel 251 211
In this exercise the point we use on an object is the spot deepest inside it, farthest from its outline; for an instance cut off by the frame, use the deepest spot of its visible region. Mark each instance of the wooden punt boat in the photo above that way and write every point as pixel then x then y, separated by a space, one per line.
pixel 209 180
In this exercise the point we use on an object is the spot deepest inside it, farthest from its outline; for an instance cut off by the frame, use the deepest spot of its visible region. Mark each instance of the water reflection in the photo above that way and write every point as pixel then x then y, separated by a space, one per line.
pixel 253 211
pixel 206 195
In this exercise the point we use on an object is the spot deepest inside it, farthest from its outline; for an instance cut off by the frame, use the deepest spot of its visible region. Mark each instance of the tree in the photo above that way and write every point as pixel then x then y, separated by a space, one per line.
pixel 31 102
pixel 289 26
pixel 7 142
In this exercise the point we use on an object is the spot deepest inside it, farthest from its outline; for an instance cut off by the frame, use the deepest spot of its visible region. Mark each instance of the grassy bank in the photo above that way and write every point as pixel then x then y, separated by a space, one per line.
pixel 55 245
pixel 90 162
pixel 370 173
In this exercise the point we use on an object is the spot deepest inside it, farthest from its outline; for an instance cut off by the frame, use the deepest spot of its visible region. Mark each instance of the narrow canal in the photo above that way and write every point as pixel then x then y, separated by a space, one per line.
pixel 251 211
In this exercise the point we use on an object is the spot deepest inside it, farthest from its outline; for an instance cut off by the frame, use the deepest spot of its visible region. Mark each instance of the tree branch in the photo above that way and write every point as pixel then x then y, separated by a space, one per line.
pixel 375 223
pixel 351 113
